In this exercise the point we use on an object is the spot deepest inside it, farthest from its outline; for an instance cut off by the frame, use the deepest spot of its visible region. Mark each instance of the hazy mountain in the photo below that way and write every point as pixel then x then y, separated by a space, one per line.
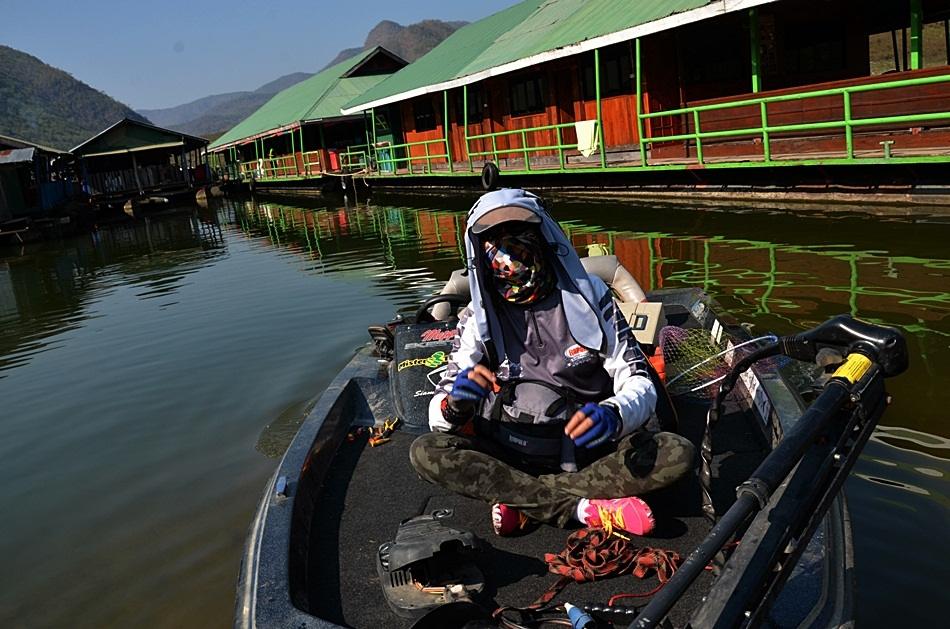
pixel 279 85
pixel 209 112
pixel 409 42
pixel 46 105
pixel 212 115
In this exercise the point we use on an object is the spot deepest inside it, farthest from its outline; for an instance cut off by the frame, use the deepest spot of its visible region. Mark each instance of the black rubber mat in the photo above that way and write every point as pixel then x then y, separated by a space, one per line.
pixel 371 490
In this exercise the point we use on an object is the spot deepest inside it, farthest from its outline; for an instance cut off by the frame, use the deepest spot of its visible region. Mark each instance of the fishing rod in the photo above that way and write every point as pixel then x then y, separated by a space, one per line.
pixel 870 353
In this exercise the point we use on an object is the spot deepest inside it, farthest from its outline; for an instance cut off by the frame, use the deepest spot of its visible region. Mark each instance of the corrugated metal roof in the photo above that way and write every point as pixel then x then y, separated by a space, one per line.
pixel 531 32
pixel 17 156
pixel 319 97
pixel 128 134
pixel 9 140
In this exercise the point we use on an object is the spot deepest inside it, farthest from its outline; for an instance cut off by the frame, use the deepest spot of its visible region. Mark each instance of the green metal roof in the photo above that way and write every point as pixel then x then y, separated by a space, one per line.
pixel 531 32
pixel 130 135
pixel 317 98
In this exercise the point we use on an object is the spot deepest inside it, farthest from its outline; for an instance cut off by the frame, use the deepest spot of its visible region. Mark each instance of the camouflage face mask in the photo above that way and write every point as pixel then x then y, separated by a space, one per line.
pixel 517 266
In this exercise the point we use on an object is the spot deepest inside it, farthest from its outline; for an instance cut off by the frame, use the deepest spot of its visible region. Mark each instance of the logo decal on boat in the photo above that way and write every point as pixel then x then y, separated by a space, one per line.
pixel 435 360
pixel 431 338
pixel 437 335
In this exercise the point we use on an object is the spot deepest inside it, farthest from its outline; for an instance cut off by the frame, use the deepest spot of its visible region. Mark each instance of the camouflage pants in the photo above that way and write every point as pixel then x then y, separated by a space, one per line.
pixel 479 468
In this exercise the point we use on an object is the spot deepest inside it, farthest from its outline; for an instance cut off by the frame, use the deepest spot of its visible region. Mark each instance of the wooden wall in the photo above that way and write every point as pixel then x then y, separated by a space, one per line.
pixel 704 63
pixel 563 104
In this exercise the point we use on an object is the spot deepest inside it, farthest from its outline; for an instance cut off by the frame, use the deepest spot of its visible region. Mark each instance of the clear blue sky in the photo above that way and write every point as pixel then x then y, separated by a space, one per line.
pixel 158 54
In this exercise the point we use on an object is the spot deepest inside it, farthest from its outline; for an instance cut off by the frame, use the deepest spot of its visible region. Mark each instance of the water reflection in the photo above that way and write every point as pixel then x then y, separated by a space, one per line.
pixel 46 290
pixel 794 283
pixel 778 286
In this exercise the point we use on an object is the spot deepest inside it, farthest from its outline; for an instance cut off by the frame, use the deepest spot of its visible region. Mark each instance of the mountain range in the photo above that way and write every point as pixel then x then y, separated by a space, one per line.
pixel 43 104
pixel 213 115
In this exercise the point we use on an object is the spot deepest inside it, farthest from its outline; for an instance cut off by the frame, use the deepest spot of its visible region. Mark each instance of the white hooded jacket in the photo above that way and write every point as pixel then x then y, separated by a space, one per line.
pixel 586 321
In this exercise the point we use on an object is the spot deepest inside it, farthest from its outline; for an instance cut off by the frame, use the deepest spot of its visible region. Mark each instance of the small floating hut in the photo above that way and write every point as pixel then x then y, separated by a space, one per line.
pixel 133 160
pixel 33 178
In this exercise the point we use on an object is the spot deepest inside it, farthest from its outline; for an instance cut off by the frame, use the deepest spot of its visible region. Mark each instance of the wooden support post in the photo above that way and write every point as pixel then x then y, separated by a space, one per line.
pixel 135 173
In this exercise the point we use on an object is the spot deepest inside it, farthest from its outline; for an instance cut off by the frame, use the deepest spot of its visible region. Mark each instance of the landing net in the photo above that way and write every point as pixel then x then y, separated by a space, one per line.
pixel 695 362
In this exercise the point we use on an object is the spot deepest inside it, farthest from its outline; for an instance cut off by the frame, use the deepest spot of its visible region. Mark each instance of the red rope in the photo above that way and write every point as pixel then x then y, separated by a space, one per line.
pixel 592 554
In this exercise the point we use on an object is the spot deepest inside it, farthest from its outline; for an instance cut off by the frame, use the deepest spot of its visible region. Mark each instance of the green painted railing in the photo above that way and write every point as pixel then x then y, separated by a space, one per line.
pixel 249 170
pixel 268 168
pixel 388 160
pixel 281 167
pixel 525 149
pixel 849 123
pixel 312 163
pixel 355 158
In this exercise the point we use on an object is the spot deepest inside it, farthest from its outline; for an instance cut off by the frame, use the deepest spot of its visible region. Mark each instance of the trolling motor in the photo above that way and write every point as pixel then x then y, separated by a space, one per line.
pixel 845 414
pixel 828 343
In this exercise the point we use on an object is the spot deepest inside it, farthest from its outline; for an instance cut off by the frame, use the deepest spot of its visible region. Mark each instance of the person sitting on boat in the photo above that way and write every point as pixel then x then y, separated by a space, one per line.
pixel 544 408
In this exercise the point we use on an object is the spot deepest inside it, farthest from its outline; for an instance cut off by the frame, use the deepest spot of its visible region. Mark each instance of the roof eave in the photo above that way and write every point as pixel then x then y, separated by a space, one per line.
pixel 713 9
pixel 137 149
pixel 183 136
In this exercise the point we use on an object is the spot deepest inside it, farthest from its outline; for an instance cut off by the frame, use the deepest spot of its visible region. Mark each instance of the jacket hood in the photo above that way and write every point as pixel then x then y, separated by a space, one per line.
pixel 580 293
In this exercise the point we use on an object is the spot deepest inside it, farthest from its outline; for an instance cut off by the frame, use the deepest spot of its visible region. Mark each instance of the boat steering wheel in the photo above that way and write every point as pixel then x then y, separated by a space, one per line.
pixel 424 316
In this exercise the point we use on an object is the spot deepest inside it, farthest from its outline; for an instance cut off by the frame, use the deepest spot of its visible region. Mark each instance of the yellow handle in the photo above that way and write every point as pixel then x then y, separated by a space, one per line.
pixel 854 368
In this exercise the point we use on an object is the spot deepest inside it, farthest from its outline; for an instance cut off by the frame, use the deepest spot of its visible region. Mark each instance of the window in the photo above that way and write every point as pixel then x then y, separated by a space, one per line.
pixel 527 96
pixel 616 73
pixel 889 51
pixel 477 105
pixel 382 123
pixel 886 51
pixel 424 114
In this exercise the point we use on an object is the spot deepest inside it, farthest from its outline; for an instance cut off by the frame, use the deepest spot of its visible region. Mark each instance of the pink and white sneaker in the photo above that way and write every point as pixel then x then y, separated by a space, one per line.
pixel 507 520
pixel 630 514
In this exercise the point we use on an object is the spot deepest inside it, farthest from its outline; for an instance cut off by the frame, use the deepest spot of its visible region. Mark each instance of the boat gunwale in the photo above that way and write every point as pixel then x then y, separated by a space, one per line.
pixel 267 599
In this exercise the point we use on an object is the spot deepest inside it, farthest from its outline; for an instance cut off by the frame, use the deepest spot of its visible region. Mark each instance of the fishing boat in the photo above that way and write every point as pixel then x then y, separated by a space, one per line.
pixel 347 534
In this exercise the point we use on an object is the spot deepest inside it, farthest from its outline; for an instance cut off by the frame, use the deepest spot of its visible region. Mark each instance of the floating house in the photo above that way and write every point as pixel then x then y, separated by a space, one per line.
pixel 300 133
pixel 671 86
pixel 133 159
pixel 33 178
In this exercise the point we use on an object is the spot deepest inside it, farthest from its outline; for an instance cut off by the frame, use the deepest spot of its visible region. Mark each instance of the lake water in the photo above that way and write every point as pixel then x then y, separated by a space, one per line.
pixel 151 373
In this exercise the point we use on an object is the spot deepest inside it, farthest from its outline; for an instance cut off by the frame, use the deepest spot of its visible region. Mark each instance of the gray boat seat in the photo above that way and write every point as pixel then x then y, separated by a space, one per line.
pixel 607 268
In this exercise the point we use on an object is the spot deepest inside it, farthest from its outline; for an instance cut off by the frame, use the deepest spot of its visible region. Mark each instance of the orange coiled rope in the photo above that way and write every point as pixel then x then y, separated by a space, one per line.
pixel 592 554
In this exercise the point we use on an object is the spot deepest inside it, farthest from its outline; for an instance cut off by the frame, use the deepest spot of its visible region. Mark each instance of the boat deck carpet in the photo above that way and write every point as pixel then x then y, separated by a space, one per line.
pixel 369 491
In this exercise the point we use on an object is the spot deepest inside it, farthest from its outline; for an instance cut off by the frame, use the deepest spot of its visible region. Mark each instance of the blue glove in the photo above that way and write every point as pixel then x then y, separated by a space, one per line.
pixel 606 424
pixel 464 389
